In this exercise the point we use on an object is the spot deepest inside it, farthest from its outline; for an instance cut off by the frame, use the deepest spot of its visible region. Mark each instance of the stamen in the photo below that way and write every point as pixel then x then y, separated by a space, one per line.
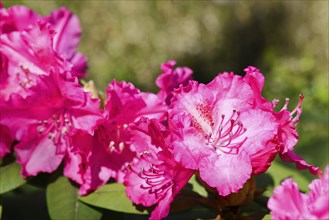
pixel 285 104
pixel 154 178
pixel 222 140
pixel 297 111
pixel 56 128
pixel 275 102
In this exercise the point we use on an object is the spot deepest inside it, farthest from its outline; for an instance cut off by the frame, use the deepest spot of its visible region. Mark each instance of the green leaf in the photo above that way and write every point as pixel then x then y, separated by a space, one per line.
pixel 267 217
pixel 10 177
pixel 113 197
pixel 197 187
pixel 264 181
pixel 63 203
pixel 280 172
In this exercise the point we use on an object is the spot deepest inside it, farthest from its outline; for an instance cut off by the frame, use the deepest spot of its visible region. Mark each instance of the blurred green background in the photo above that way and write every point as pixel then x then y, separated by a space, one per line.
pixel 287 40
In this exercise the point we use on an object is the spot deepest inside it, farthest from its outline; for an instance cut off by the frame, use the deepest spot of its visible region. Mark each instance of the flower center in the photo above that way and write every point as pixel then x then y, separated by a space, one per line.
pixel 56 127
pixel 155 179
pixel 24 79
pixel 113 136
pixel 226 136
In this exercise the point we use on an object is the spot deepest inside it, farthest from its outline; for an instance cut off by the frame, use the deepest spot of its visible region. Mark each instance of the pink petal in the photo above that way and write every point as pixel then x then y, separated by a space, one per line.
pixel 261 128
pixel 67 37
pixel 163 208
pixel 255 79
pixel 37 155
pixel 189 152
pixel 88 162
pixel 290 156
pixel 287 202
pixel 262 159
pixel 196 101
pixel 227 172
pixel 68 30
pixel 16 18
pixel 171 79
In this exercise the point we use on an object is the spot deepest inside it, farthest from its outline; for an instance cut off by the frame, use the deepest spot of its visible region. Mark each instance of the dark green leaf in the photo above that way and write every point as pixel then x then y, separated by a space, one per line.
pixel 10 177
pixel 264 181
pixel 63 203
pixel 113 197
pixel 197 187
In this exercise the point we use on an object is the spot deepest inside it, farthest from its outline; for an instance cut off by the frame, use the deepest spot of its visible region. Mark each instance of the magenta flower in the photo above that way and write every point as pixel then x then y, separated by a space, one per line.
pixel 27 55
pixel 66 28
pixel 288 203
pixel 44 121
pixel 155 179
pixel 221 128
pixel 171 79
pixel 66 39
pixel 114 144
pixel 288 136
pixel 16 18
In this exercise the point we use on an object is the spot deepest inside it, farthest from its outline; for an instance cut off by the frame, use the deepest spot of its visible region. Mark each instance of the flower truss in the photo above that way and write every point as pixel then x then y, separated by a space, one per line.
pixel 225 132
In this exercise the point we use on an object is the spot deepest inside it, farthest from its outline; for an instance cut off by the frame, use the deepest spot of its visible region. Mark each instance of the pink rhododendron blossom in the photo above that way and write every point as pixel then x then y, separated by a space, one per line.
pixel 66 39
pixel 16 18
pixel 288 203
pixel 66 28
pixel 114 144
pixel 155 178
pixel 27 55
pixel 221 129
pixel 171 79
pixel 44 121
pixel 288 137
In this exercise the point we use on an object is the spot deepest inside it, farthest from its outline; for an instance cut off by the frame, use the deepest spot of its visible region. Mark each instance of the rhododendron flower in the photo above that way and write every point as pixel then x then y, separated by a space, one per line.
pixel 107 153
pixel 44 120
pixel 288 136
pixel 66 39
pixel 16 18
pixel 27 55
pixel 288 203
pixel 220 128
pixel 66 28
pixel 171 79
pixel 156 178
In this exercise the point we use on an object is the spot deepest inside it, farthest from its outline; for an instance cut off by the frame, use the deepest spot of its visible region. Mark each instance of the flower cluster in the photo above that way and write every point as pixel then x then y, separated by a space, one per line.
pixel 224 131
